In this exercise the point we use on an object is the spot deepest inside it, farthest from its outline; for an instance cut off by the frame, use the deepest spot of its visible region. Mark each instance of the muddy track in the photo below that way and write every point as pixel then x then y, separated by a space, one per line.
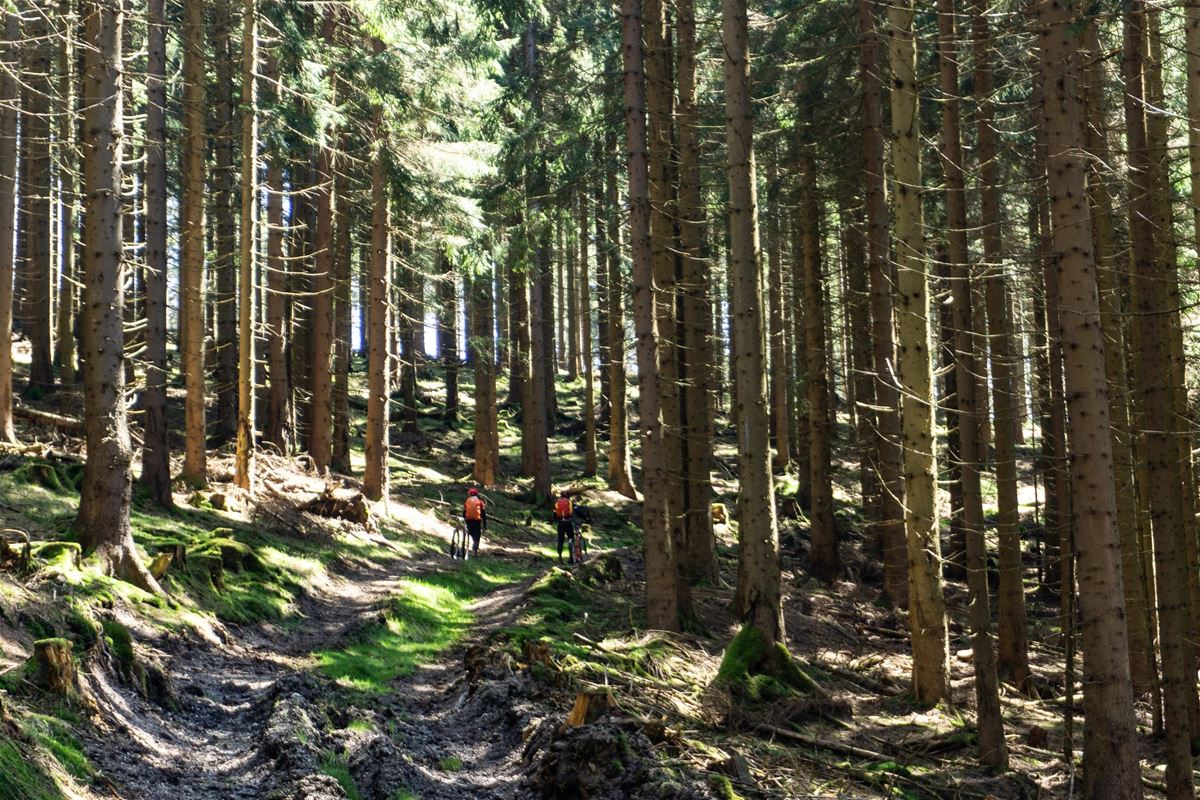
pixel 221 742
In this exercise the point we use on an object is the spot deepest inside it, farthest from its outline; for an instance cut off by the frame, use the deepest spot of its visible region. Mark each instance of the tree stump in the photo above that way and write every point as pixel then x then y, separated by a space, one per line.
pixel 589 707
pixel 55 669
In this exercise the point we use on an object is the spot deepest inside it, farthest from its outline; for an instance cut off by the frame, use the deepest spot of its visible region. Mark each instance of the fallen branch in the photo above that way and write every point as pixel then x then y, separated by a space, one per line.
pixel 824 744
pixel 64 423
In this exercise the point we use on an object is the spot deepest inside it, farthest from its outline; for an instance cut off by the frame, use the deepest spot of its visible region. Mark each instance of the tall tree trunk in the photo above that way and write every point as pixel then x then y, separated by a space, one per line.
pixel 758 601
pixel 992 750
pixel 890 520
pixel 35 134
pixel 1110 759
pixel 572 307
pixel 9 97
pixel 619 476
pixel 1013 661
pixel 518 323
pixel 1156 405
pixel 602 309
pixel 584 310
pixel 663 247
pixel 225 221
pixel 700 558
pixel 64 335
pixel 300 277
pixel 780 379
pixel 447 323
pixel 342 323
pixel 412 334
pixel 1167 256
pixel 926 604
pixel 487 433
pixel 662 611
pixel 1138 602
pixel 320 441
pixel 800 412
pixel 276 431
pixel 103 520
pixel 156 453
pixel 375 470
pixel 192 255
pixel 247 316
pixel 536 408
pixel 825 562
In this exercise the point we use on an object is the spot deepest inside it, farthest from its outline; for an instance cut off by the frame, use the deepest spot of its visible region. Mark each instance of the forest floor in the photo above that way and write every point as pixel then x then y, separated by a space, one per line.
pixel 306 658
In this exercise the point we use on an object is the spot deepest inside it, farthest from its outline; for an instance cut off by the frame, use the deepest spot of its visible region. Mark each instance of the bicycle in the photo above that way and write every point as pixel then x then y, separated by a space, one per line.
pixel 579 546
pixel 458 541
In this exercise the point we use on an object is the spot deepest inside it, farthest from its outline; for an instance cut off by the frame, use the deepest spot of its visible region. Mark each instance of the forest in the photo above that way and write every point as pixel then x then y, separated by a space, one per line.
pixel 438 399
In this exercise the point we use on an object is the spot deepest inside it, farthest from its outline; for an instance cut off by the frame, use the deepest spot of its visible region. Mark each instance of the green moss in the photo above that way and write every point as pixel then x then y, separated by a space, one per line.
pixel 80 623
pixel 121 643
pixel 23 778
pixel 335 767
pixel 450 764
pixel 757 671
pixel 54 736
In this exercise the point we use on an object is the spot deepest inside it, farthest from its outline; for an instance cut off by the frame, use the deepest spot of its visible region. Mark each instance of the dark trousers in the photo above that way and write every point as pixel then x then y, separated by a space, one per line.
pixel 475 530
pixel 566 532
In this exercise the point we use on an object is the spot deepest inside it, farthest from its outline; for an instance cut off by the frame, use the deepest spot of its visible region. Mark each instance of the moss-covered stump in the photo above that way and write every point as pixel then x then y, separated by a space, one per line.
pixel 54 668
pixel 756 671
pixel 160 564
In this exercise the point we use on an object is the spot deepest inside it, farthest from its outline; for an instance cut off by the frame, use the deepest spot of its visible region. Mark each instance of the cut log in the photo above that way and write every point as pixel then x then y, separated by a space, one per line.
pixel 73 425
pixel 54 668
pixel 158 567
pixel 589 707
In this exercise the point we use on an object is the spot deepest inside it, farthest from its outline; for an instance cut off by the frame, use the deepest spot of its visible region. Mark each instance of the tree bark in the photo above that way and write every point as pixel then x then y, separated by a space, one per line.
pixel 320 441
pixel 9 98
pixel 1110 759
pixel 487 433
pixel 35 136
pixel 758 602
pixel 225 224
pixel 1138 603
pixel 536 408
pixel 700 558
pixel 1163 485
pixel 927 608
pixel 64 336
pixel 992 750
pixel 619 477
pixel 192 254
pixel 375 470
pixel 780 379
pixel 824 560
pixel 342 323
pixel 890 520
pixel 247 313
pixel 447 321
pixel 662 611
pixel 276 430
pixel 584 311
pixel 103 519
pixel 1013 656
pixel 156 453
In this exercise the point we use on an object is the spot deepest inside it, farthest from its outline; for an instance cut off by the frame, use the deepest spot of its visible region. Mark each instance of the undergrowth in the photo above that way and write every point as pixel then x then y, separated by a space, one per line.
pixel 427 615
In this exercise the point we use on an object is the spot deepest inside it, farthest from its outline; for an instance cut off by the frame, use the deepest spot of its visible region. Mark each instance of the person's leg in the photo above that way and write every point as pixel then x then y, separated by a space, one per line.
pixel 561 540
pixel 476 530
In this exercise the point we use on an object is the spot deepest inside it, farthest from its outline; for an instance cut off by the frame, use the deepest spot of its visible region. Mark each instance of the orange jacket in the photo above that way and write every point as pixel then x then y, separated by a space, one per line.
pixel 474 509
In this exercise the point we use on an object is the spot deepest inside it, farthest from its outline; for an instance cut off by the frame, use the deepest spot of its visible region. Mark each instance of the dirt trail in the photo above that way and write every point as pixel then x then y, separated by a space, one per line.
pixel 224 741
